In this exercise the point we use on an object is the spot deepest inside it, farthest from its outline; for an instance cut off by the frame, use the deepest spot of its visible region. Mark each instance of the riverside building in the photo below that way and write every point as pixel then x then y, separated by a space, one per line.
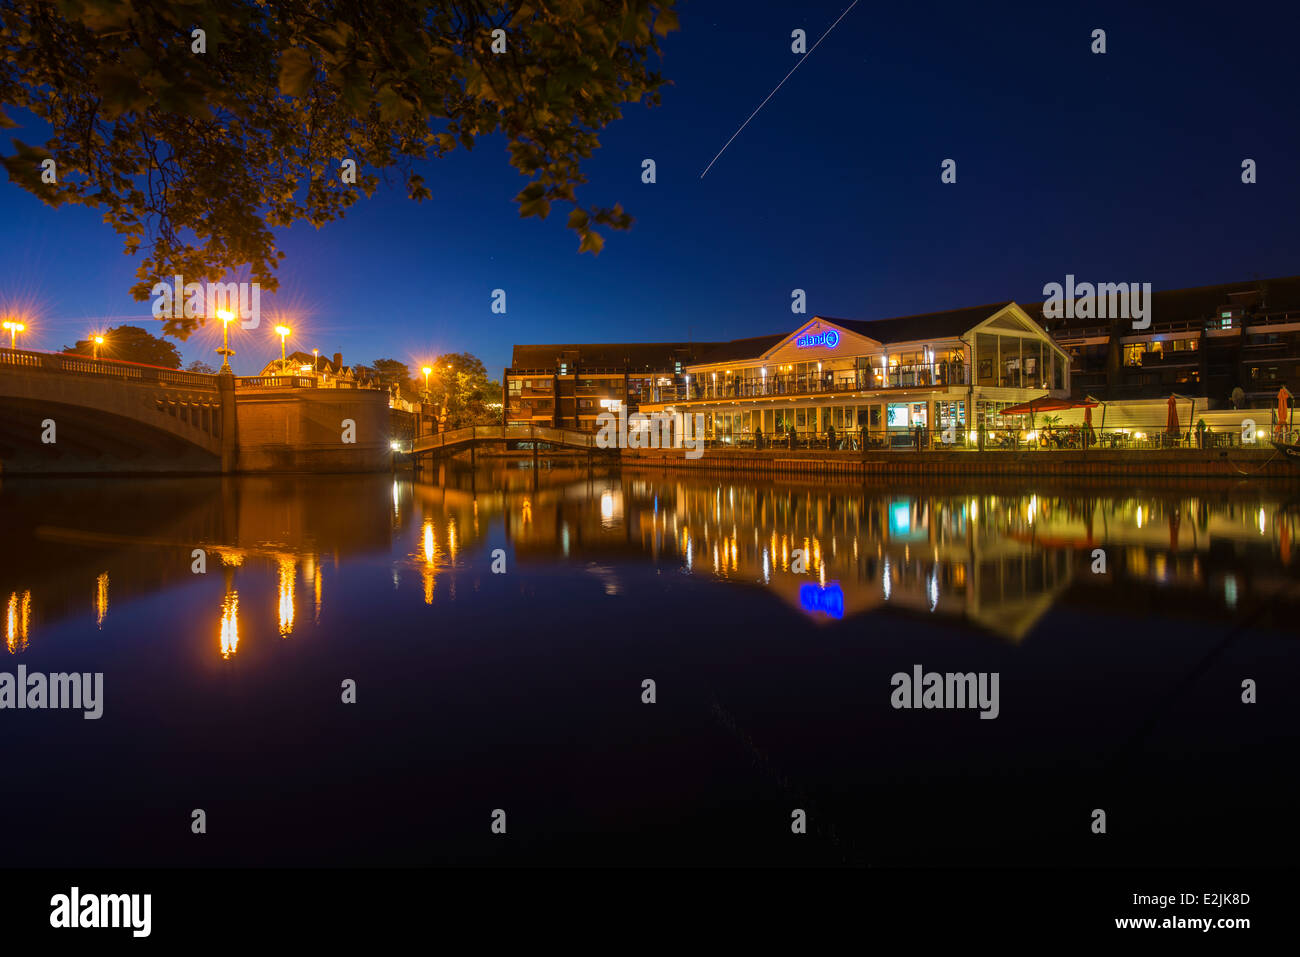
pixel 1203 342
pixel 878 380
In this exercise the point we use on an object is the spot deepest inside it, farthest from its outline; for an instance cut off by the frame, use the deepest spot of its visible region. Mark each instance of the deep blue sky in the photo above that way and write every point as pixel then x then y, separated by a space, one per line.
pixel 1121 167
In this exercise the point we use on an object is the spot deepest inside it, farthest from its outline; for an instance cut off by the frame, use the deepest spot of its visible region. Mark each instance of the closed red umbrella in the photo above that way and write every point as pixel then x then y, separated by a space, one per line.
pixel 1171 427
pixel 1283 397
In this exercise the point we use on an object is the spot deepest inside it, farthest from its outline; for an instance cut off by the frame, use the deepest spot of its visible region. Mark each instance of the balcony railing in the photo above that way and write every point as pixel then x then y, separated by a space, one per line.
pixel 989 440
pixel 927 376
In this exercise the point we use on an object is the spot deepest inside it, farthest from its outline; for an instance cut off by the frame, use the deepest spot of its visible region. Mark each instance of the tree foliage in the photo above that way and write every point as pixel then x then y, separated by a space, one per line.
pixel 196 157
pixel 460 387
pixel 131 344
pixel 394 374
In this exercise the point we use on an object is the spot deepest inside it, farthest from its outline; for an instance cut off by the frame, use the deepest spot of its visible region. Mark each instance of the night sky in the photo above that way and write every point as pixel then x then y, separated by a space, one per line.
pixel 1117 167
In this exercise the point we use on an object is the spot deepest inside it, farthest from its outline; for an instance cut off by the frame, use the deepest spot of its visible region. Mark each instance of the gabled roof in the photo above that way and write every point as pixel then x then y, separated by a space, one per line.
pixel 740 349
pixel 928 325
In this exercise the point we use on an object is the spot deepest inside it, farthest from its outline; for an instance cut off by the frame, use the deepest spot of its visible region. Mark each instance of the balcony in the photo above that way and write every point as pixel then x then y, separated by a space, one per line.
pixel 936 375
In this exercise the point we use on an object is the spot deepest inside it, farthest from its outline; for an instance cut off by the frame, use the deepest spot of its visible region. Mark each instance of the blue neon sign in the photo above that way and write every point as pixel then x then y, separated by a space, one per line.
pixel 830 339
pixel 828 599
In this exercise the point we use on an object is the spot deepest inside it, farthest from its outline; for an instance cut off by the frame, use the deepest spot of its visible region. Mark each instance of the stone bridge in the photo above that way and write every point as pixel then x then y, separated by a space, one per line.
pixel 73 414
pixel 66 413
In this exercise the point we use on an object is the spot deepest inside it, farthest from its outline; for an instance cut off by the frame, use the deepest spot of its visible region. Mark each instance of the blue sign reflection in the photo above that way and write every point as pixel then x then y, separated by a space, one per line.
pixel 827 599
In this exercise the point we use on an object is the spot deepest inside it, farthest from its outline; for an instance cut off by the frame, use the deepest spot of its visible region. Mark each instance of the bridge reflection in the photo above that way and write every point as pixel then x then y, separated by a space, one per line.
pixel 114 541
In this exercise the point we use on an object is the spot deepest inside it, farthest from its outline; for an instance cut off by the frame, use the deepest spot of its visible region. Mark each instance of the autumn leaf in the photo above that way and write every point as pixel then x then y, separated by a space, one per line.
pixel 296 72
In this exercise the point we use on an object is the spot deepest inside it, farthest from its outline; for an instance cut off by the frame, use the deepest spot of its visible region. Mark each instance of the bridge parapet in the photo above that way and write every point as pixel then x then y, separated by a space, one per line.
pixel 66 364
pixel 275 382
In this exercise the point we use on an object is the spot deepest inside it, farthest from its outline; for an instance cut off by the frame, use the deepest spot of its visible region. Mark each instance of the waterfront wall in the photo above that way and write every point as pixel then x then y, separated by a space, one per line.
pixel 303 430
pixel 1219 463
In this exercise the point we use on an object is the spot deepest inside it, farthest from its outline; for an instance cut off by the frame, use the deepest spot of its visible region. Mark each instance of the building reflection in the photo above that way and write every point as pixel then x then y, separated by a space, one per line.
pixel 996 559
pixel 994 556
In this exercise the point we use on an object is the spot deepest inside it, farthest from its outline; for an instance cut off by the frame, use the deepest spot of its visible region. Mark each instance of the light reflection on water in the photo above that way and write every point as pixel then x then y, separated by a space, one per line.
pixel 991 557
pixel 775 613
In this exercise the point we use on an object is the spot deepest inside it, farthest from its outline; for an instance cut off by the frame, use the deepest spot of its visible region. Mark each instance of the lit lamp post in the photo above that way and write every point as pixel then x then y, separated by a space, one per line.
pixel 14 327
pixel 315 361
pixel 427 370
pixel 97 341
pixel 225 315
pixel 283 332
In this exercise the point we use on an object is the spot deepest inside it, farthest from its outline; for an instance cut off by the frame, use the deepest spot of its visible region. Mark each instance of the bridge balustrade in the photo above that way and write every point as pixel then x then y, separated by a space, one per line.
pixel 275 382
pixel 112 368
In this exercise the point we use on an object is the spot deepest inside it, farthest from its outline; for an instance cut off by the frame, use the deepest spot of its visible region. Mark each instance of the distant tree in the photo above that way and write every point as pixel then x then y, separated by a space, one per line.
pixel 131 344
pixel 198 365
pixel 394 374
pixel 197 156
pixel 461 387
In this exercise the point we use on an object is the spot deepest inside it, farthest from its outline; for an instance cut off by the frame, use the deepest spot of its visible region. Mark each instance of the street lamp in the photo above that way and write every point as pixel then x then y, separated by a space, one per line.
pixel 426 370
pixel 315 361
pixel 283 332
pixel 97 341
pixel 14 327
pixel 225 315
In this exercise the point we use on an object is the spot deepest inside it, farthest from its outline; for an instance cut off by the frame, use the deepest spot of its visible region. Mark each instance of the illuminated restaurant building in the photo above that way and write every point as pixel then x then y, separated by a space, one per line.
pixel 887 376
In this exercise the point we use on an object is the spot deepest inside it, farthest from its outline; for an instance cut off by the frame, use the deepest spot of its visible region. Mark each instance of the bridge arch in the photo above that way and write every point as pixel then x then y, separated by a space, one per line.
pixel 128 420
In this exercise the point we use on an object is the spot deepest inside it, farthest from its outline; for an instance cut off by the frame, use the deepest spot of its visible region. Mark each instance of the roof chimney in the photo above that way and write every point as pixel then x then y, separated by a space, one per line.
pixel 338 362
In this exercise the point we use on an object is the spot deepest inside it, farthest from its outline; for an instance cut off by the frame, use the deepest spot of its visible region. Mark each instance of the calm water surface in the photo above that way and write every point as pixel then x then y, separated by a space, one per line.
pixel 771 618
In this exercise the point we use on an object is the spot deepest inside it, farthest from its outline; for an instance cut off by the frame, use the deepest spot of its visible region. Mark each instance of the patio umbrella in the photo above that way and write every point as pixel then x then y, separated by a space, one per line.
pixel 1046 403
pixel 1283 397
pixel 1171 427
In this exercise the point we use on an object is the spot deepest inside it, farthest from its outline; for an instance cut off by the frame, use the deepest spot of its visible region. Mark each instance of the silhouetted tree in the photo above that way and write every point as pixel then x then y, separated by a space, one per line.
pixel 131 344
pixel 197 155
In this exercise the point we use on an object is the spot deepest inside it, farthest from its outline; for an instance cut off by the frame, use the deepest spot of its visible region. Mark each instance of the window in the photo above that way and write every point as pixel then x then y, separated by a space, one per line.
pixel 948 413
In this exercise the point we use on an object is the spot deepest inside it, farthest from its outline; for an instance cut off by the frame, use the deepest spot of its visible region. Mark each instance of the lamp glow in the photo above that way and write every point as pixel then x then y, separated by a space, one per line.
pixel 226 316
